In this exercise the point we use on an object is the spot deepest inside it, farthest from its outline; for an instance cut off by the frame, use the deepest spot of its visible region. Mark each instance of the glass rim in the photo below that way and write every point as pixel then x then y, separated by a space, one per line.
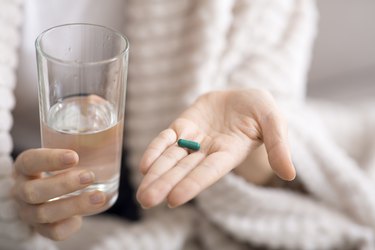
pixel 55 59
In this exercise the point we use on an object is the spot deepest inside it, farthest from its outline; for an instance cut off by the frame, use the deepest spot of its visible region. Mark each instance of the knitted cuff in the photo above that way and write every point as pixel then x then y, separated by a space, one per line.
pixel 273 217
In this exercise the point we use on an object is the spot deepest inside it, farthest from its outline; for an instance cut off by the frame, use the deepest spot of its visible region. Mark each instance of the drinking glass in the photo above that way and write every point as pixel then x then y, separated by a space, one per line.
pixel 82 72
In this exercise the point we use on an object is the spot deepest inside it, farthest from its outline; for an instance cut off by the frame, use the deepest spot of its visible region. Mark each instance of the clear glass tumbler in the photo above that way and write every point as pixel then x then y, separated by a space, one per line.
pixel 82 72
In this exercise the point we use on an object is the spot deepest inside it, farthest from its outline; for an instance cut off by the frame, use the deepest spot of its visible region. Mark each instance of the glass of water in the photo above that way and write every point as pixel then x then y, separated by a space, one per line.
pixel 82 71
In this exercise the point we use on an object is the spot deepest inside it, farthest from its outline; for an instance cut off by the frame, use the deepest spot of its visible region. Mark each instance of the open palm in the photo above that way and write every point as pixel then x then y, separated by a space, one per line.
pixel 228 125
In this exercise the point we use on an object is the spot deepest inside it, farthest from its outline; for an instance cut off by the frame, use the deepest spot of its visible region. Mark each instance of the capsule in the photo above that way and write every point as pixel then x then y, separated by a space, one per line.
pixel 193 145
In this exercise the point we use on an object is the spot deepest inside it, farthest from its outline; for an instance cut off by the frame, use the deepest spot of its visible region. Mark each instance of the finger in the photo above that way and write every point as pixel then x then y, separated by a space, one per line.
pixel 210 170
pixel 164 140
pixel 41 190
pixel 180 128
pixel 166 161
pixel 61 230
pixel 158 190
pixel 274 133
pixel 34 161
pixel 54 211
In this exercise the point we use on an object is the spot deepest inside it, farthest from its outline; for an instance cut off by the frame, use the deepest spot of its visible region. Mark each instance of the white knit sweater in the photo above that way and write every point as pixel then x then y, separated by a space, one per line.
pixel 179 50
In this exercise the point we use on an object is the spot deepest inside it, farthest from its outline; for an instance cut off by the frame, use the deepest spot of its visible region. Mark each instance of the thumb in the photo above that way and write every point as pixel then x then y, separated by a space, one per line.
pixel 274 134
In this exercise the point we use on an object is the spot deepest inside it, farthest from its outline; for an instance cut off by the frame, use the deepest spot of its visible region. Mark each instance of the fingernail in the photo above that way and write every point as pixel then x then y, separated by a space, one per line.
pixel 97 198
pixel 143 207
pixel 171 206
pixel 69 158
pixel 86 177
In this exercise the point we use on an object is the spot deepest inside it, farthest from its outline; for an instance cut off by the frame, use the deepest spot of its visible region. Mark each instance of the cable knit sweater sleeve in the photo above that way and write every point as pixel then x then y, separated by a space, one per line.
pixel 269 46
pixel 10 20
pixel 274 54
pixel 14 234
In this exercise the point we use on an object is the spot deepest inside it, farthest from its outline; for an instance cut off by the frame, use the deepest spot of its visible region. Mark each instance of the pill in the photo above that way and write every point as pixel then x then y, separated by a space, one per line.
pixel 189 144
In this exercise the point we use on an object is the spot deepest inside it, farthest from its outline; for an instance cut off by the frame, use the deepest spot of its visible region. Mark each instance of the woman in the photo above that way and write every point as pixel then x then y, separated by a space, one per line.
pixel 181 50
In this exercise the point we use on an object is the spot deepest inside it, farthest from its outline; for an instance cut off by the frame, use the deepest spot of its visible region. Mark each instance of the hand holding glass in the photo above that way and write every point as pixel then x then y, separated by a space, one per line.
pixel 82 71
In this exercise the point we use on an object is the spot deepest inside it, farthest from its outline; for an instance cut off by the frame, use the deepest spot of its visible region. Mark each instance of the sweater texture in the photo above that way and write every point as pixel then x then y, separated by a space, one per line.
pixel 180 50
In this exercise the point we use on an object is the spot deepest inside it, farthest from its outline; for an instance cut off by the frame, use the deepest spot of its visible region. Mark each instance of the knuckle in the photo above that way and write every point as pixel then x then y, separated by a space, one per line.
pixel 171 155
pixel 183 166
pixel 194 183
pixel 25 158
pixel 41 214
pixel 56 234
pixel 78 207
pixel 165 134
pixel 29 193
pixel 163 186
pixel 69 181
pixel 63 230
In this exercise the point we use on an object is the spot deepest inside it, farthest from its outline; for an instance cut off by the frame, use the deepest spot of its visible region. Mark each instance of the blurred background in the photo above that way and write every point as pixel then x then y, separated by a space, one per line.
pixel 343 66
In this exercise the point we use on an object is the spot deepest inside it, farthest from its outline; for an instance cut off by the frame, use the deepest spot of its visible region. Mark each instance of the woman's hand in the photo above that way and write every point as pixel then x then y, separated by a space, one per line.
pixel 229 125
pixel 57 219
